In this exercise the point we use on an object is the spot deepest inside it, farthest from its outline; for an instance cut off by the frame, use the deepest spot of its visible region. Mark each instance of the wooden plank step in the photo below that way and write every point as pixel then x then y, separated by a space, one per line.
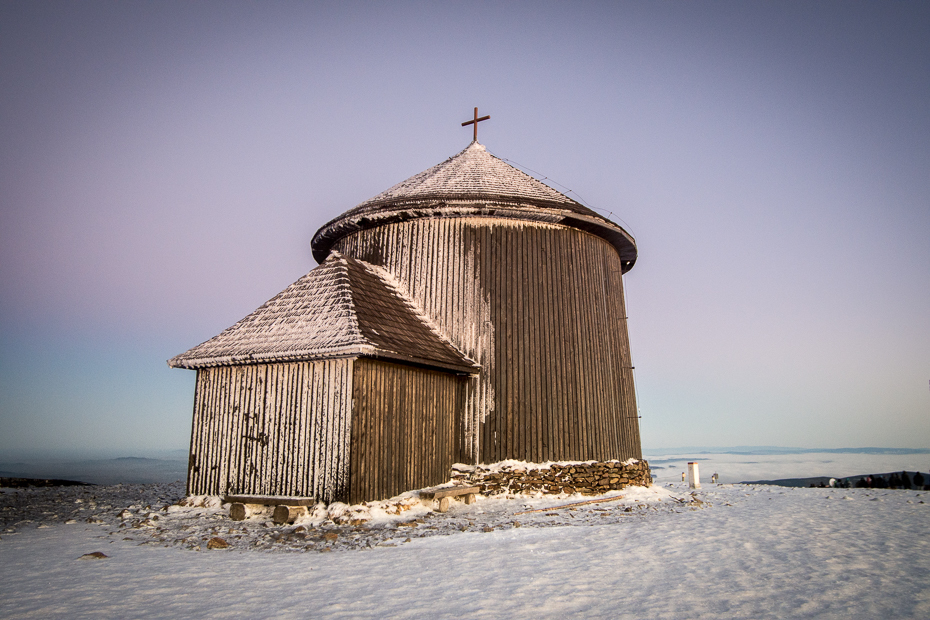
pixel 449 492
pixel 270 500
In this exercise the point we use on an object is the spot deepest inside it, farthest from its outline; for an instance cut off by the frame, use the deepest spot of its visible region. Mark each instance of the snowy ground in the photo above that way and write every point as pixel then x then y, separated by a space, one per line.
pixel 732 551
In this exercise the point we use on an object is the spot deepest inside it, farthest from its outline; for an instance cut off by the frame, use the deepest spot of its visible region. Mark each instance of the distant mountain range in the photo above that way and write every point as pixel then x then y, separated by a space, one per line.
pixel 172 465
pixel 121 470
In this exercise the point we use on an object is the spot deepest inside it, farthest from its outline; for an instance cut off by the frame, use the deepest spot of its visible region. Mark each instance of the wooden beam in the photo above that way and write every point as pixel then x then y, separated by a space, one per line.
pixel 590 501
pixel 475 122
pixel 450 492
pixel 269 500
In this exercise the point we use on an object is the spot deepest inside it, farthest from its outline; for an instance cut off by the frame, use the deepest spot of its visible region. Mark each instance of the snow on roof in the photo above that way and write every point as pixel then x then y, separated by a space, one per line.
pixel 472 182
pixel 342 308
pixel 471 172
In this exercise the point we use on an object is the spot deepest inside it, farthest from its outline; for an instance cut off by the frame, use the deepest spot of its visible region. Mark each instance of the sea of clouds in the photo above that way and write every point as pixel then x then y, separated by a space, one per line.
pixel 739 464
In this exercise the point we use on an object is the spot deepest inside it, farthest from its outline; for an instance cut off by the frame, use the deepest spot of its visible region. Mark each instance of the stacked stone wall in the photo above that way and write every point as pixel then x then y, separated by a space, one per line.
pixel 587 478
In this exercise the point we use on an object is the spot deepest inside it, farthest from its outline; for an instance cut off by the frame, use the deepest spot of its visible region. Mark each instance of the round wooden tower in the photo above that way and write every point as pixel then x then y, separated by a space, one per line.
pixel 526 283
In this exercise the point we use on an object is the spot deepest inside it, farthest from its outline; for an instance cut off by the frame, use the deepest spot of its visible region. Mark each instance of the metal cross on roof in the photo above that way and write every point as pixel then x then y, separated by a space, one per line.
pixel 475 122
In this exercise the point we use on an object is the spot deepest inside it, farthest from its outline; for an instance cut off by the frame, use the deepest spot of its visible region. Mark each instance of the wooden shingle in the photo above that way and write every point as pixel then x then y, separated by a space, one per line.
pixel 473 183
pixel 342 308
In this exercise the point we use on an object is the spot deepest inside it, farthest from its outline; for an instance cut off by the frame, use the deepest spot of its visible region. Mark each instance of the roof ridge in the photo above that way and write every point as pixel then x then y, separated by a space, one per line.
pixel 339 309
pixel 243 341
pixel 354 328
pixel 395 286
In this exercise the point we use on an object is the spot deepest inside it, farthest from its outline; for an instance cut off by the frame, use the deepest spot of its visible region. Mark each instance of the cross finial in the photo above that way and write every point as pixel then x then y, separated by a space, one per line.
pixel 475 122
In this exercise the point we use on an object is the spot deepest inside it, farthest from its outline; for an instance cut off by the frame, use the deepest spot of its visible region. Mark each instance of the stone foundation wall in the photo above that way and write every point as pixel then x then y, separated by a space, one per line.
pixel 587 478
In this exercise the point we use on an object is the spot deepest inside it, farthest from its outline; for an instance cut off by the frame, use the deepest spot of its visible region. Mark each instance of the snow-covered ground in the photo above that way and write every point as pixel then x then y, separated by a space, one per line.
pixel 728 551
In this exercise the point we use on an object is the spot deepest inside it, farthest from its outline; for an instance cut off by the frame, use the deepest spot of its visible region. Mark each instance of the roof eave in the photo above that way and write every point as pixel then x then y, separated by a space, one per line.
pixel 267 357
pixel 467 367
pixel 454 206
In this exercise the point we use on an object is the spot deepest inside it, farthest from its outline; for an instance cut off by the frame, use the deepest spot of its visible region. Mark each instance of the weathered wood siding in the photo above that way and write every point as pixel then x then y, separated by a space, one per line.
pixel 403 423
pixel 272 429
pixel 541 308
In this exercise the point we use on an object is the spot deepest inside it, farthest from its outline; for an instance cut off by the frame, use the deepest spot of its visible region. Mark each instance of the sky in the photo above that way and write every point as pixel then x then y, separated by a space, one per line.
pixel 163 167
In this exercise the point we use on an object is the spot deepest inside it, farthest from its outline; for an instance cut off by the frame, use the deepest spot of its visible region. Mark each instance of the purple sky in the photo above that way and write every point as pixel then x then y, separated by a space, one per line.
pixel 164 166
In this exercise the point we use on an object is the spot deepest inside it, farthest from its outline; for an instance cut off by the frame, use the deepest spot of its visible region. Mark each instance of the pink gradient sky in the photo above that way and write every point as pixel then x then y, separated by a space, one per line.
pixel 163 167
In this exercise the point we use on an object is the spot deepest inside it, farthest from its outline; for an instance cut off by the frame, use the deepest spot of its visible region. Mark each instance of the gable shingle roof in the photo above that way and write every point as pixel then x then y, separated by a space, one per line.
pixel 473 183
pixel 342 308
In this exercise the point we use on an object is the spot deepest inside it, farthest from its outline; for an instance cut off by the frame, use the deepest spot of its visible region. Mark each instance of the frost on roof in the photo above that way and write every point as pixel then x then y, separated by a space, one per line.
pixel 471 172
pixel 472 183
pixel 343 307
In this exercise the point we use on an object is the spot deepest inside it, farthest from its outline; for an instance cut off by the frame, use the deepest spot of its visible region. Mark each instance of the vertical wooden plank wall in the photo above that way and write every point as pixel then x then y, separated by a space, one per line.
pixel 272 429
pixel 540 307
pixel 437 260
pixel 402 428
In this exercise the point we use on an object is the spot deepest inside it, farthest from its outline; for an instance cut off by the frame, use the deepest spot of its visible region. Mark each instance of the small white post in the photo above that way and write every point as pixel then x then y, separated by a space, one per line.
pixel 694 477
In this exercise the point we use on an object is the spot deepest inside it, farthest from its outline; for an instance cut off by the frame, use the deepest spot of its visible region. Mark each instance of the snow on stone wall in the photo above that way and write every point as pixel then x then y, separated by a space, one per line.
pixel 587 478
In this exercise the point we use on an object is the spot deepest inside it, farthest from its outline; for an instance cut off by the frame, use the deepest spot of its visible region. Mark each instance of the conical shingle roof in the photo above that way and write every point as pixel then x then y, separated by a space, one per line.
pixel 472 183
pixel 342 308
pixel 471 173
